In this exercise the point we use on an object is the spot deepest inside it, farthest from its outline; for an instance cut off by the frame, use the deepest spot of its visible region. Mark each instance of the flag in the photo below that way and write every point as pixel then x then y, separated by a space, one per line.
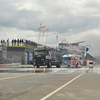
pixel 47 29
pixel 42 27
pixel 56 37
pixel 63 40
pixel 73 46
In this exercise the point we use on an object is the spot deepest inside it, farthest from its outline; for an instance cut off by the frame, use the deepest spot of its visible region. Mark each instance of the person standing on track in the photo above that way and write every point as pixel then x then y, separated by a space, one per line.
pixel 85 62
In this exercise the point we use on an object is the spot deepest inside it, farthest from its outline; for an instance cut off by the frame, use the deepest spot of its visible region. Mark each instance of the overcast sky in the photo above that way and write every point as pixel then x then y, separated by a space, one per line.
pixel 72 20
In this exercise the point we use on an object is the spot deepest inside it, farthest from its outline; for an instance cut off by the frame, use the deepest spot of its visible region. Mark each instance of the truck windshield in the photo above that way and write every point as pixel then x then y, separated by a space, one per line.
pixel 39 52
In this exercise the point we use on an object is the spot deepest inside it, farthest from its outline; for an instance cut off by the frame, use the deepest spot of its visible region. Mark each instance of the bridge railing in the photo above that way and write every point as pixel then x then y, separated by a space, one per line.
pixel 24 45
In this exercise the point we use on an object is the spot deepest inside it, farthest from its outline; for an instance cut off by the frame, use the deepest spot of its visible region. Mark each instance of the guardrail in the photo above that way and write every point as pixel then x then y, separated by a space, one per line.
pixel 24 45
pixel 8 65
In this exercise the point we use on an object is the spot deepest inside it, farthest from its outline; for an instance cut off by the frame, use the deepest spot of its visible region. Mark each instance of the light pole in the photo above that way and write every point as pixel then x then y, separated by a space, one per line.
pixel 86 49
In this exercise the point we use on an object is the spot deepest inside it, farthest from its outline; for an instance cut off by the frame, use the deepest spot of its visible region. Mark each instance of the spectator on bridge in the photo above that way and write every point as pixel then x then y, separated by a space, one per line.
pixel 7 42
pixel 17 42
pixel 1 41
pixel 26 41
pixel 12 41
pixel 22 40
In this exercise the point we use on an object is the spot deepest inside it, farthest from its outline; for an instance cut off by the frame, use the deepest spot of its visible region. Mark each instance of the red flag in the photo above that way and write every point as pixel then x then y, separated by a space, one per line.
pixel 42 27
pixel 56 37
pixel 63 40
pixel 47 29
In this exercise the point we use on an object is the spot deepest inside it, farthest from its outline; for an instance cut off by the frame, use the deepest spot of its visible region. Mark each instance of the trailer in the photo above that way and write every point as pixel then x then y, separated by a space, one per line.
pixel 46 56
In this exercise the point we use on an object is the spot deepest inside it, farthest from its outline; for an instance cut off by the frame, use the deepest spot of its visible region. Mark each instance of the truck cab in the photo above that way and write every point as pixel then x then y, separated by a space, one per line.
pixel 44 56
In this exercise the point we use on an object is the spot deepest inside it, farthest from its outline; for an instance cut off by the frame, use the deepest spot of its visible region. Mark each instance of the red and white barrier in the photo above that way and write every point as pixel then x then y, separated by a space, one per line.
pixel 90 64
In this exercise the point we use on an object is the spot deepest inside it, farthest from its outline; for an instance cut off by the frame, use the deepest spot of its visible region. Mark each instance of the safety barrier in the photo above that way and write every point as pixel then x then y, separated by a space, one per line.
pixel 9 65
pixel 90 64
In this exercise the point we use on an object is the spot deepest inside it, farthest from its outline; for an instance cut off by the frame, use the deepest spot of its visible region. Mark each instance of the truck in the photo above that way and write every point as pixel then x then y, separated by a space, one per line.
pixel 47 56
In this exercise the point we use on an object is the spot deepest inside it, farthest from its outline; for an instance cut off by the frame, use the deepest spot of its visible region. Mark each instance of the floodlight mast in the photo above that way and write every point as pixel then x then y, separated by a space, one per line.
pixel 86 49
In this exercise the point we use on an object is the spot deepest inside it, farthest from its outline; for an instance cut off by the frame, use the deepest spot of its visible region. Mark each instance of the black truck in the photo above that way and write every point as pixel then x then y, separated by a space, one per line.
pixel 46 56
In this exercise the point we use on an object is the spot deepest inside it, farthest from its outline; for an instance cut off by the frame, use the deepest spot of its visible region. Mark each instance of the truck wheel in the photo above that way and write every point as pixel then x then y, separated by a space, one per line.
pixel 38 66
pixel 68 66
pixel 49 64
pixel 58 65
pixel 77 65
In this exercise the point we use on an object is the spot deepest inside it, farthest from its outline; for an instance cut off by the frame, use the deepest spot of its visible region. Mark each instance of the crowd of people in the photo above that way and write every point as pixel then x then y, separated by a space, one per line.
pixel 18 41
pixel 31 42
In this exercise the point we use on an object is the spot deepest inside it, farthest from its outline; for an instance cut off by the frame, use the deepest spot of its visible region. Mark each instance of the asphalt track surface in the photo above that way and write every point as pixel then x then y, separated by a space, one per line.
pixel 63 83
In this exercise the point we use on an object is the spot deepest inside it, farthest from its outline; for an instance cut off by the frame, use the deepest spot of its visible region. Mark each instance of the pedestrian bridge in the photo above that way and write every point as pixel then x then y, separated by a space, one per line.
pixel 21 45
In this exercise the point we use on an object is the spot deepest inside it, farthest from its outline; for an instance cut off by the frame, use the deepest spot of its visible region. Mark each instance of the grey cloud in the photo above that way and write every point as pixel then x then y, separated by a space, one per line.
pixel 94 41
pixel 92 3
pixel 55 16
pixel 90 8
pixel 61 16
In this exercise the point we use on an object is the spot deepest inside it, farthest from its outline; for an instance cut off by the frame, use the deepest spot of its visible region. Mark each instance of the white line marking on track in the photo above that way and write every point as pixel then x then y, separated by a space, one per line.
pixel 14 77
pixel 47 96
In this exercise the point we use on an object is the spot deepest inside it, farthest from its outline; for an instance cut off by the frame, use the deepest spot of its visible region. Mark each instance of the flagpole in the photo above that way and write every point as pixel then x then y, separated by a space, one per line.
pixel 39 35
pixel 43 36
pixel 56 45
pixel 46 36
pixel 39 32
